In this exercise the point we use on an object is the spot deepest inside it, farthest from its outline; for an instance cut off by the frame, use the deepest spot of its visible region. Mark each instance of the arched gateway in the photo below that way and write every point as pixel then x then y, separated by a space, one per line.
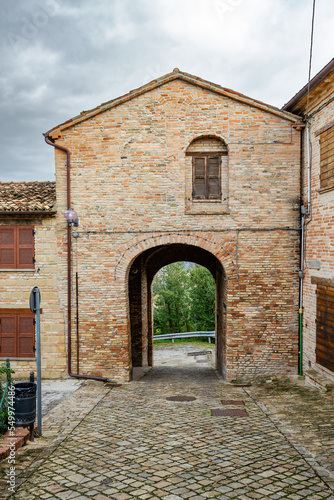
pixel 151 254
pixel 180 168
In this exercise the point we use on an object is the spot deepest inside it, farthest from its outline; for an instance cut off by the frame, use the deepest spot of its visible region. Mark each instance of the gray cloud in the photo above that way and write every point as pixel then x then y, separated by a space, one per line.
pixel 59 57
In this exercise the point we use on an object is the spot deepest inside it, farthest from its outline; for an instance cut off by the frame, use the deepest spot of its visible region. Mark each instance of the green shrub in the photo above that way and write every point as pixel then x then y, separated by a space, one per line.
pixel 5 381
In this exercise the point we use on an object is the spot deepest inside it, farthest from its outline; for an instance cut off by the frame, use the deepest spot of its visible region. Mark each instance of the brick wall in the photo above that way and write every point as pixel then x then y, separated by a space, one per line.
pixel 15 288
pixel 130 187
pixel 319 235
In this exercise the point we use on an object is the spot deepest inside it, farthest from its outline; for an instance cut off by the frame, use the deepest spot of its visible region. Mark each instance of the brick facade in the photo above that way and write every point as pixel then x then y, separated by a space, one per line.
pixel 131 185
pixel 15 287
pixel 319 255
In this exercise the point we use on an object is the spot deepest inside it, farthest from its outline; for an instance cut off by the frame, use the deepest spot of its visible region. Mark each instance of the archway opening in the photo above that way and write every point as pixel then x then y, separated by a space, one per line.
pixel 184 296
pixel 141 276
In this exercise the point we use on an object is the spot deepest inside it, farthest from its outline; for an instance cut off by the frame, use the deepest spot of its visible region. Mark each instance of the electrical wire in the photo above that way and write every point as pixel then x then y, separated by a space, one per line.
pixel 310 59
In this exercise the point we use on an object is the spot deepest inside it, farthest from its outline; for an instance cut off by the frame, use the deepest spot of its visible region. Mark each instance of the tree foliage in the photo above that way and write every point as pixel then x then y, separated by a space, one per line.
pixel 202 296
pixel 184 299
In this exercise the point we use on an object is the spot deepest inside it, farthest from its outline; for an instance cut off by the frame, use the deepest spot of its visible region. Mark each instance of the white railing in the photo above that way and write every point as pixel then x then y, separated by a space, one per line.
pixel 172 336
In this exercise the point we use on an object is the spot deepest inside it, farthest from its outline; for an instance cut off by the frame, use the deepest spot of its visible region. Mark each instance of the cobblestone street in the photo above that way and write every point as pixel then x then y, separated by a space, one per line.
pixel 271 441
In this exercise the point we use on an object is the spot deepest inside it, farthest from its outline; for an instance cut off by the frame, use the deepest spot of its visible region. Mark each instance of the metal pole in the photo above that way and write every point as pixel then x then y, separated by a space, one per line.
pixel 38 356
pixel 301 282
pixel 77 314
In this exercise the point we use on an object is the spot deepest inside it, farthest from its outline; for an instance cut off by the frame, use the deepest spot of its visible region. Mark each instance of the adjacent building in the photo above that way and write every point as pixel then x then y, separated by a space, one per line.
pixel 315 104
pixel 28 258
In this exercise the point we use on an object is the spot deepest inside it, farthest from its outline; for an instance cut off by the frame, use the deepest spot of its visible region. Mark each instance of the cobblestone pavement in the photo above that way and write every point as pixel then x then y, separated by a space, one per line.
pixel 132 442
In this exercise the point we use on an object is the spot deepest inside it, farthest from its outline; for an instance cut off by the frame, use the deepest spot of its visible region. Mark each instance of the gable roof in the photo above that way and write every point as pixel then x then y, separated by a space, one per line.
pixel 318 84
pixel 176 74
pixel 27 198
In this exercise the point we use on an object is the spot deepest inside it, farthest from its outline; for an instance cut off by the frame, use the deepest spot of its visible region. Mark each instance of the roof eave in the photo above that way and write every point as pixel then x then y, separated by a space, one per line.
pixel 313 83
pixel 27 212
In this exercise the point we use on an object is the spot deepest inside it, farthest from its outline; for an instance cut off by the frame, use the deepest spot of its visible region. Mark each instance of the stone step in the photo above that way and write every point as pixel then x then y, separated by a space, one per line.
pixel 319 380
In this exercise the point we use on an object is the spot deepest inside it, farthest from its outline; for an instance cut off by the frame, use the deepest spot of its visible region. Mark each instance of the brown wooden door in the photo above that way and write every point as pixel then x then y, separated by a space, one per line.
pixel 325 327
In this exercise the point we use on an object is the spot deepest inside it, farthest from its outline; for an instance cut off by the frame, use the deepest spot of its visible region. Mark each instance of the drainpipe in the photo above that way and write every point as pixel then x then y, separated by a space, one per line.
pixel 305 212
pixel 69 273
pixel 301 282
pixel 308 167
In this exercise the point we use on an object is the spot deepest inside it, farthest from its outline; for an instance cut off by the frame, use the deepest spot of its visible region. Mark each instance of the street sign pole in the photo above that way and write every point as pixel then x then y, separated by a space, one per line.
pixel 38 355
pixel 35 302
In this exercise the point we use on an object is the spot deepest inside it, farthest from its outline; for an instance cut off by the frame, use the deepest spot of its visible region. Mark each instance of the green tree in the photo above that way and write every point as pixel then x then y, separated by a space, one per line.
pixel 184 299
pixel 171 299
pixel 202 298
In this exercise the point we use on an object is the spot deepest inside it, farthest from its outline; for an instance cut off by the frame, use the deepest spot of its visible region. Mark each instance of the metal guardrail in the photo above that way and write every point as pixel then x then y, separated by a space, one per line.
pixel 172 336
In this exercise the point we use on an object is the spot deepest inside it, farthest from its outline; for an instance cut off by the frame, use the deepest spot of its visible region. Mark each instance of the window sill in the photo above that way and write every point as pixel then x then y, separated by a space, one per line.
pixel 206 207
pixel 14 270
pixel 326 189
pixel 207 201
pixel 17 359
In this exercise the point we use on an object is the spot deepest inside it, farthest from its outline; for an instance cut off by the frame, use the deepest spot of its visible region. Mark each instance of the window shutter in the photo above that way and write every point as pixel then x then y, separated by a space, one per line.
pixel 327 158
pixel 7 335
pixel 26 336
pixel 25 247
pixel 7 247
pixel 213 178
pixel 199 177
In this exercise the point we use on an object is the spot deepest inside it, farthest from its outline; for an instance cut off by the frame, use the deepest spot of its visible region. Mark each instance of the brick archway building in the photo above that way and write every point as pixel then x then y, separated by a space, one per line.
pixel 180 167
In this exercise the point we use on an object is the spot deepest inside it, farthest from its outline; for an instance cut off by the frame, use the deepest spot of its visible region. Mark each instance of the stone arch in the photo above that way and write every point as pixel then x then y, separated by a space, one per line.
pixel 207 137
pixel 143 256
pixel 207 241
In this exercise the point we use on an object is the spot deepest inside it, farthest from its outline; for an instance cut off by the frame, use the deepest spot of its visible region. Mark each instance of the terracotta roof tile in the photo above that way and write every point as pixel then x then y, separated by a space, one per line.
pixel 27 196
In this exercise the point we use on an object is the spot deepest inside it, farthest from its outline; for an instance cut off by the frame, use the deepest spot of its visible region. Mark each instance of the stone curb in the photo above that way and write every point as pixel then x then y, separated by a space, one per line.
pixel 19 438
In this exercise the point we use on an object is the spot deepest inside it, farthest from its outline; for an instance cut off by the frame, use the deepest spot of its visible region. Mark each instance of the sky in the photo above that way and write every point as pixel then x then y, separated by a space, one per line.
pixel 60 57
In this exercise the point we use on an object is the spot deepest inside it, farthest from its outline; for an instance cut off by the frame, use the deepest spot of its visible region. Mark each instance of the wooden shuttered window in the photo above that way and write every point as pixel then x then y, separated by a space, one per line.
pixel 206 177
pixel 327 158
pixel 325 327
pixel 17 334
pixel 17 247
pixel 7 247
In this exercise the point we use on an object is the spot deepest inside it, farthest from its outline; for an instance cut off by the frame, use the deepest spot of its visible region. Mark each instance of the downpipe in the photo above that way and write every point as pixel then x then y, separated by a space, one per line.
pixel 305 212
pixel 308 167
pixel 69 268
pixel 301 283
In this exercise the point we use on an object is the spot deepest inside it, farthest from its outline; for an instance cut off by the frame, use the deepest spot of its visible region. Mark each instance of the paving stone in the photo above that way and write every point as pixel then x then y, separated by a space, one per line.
pixel 191 454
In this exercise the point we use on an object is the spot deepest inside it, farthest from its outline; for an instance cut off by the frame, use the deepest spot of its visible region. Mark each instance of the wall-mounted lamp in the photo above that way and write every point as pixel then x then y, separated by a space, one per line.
pixel 72 217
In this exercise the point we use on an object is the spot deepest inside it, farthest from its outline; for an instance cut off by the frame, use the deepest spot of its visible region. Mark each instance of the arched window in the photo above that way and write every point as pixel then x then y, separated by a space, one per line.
pixel 207 160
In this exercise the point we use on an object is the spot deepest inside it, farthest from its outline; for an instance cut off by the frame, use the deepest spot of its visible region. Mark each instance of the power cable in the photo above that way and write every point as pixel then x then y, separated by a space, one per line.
pixel 310 60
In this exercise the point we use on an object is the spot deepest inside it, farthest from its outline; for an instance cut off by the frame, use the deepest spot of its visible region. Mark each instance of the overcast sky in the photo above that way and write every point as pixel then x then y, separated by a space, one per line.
pixel 60 57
